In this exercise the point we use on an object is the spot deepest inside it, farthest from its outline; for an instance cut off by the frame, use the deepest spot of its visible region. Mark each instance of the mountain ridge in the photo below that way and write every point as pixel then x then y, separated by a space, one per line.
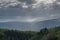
pixel 31 26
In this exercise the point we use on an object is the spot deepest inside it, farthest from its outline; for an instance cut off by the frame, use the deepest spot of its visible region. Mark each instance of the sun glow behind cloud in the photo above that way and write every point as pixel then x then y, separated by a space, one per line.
pixel 17 20
pixel 25 19
pixel 20 19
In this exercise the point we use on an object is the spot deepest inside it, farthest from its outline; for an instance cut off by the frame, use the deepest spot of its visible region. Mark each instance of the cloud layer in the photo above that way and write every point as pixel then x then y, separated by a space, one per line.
pixel 28 3
pixel 29 10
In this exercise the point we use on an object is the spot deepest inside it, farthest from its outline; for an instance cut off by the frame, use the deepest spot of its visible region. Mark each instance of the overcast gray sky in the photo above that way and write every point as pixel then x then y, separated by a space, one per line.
pixel 29 10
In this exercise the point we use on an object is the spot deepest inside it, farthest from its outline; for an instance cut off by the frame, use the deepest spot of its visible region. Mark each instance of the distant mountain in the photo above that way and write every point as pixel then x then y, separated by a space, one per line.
pixel 30 26
pixel 49 23
pixel 19 26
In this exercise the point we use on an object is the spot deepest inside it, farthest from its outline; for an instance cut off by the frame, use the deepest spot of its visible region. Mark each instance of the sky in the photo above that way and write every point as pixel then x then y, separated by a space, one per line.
pixel 29 10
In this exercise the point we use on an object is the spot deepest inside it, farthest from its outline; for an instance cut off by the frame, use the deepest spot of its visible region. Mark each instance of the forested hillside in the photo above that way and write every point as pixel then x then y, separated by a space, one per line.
pixel 48 34
pixel 6 34
pixel 43 34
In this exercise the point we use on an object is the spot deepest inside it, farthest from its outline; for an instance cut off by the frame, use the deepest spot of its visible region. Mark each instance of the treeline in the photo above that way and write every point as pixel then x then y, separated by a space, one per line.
pixel 6 34
pixel 43 34
pixel 48 34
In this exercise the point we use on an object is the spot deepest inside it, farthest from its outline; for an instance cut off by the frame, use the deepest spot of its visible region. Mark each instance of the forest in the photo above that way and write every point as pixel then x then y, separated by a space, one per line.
pixel 43 34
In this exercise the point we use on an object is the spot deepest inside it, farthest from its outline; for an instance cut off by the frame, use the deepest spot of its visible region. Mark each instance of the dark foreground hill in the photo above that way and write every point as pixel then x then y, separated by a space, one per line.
pixel 43 34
